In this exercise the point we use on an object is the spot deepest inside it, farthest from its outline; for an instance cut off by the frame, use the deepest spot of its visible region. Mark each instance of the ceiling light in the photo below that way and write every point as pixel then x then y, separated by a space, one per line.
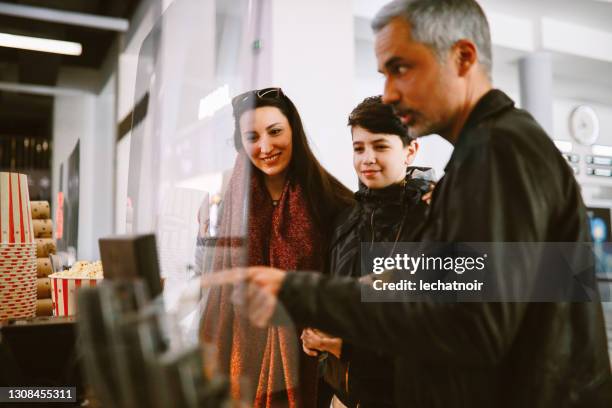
pixel 40 44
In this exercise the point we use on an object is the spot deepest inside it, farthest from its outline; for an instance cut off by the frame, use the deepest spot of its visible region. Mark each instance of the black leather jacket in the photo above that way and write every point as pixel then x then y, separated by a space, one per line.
pixel 505 182
pixel 364 377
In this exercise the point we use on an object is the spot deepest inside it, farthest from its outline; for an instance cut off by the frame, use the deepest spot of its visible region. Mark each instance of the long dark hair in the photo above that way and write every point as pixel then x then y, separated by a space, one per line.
pixel 326 195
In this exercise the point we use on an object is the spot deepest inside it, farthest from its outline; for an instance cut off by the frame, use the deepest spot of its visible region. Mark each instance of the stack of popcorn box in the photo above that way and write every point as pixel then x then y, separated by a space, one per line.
pixel 17 249
pixel 45 245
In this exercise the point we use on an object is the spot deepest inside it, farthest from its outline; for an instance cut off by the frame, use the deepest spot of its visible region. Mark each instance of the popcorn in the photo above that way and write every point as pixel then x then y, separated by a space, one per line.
pixel 82 270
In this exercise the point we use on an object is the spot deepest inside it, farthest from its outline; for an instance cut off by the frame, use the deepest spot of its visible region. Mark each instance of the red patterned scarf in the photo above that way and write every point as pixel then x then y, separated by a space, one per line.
pixel 267 363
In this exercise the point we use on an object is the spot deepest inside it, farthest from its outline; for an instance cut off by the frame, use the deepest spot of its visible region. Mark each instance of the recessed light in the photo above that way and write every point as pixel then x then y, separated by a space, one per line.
pixel 40 44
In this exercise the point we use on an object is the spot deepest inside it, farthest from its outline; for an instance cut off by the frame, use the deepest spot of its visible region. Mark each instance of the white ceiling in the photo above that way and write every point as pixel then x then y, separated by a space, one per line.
pixel 590 13
pixel 579 77
pixel 593 13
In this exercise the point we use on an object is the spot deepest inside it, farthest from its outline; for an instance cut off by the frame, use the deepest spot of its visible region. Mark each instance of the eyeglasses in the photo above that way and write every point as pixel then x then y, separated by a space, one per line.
pixel 271 93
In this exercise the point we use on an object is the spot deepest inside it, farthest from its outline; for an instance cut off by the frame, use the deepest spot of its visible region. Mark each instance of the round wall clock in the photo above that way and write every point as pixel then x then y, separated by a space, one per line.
pixel 584 125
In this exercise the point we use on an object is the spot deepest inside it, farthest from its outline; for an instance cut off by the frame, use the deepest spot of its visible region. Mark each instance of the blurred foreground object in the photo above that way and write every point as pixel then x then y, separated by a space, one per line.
pixel 133 352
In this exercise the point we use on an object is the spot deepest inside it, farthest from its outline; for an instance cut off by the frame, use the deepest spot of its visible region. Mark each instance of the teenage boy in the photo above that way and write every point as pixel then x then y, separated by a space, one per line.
pixel 389 208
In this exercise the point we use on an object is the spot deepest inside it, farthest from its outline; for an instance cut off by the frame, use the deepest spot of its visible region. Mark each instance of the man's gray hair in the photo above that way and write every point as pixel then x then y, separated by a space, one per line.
pixel 439 24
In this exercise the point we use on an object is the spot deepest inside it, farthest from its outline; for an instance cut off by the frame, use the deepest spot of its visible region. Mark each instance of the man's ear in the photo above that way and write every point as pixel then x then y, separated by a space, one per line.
pixel 465 56
pixel 411 150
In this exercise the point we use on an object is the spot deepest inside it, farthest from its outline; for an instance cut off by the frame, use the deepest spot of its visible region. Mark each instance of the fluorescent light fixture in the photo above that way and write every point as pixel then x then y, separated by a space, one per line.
pixel 214 101
pixel 563 146
pixel 40 44
pixel 601 150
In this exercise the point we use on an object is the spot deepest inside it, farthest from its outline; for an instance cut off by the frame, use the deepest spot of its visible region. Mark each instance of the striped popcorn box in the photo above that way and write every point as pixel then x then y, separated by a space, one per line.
pixel 15 213
pixel 64 293
pixel 17 248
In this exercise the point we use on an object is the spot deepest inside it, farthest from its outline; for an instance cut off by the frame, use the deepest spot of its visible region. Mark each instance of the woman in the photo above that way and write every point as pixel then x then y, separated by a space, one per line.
pixel 390 206
pixel 292 201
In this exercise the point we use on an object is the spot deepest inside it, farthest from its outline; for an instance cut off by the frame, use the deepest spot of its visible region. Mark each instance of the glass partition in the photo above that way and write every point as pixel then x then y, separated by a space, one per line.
pixel 190 185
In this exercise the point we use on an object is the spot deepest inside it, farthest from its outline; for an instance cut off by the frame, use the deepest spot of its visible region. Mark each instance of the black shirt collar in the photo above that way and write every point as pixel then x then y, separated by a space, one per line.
pixel 491 103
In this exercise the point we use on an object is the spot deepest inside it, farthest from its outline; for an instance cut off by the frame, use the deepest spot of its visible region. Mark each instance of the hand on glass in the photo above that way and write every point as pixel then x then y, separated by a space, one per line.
pixel 314 340
pixel 262 284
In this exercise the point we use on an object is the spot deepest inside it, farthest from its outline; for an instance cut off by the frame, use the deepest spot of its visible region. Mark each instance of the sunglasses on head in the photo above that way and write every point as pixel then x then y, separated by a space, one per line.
pixel 271 93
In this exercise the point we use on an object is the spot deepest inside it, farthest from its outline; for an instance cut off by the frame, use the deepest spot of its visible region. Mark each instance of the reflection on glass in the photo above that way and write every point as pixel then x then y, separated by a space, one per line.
pixel 291 203
pixel 226 183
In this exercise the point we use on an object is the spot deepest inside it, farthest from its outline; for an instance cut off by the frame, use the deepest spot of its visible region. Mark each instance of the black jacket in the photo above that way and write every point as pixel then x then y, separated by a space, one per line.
pixel 505 181
pixel 364 376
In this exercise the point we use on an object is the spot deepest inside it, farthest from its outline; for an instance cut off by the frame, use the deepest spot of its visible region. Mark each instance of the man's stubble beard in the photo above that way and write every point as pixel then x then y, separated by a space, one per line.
pixel 425 129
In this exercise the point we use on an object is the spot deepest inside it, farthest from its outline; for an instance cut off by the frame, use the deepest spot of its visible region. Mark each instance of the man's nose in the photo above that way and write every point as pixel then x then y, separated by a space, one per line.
pixel 390 94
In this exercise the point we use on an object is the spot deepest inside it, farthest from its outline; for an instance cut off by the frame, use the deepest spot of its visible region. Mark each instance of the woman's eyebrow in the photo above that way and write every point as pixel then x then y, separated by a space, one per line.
pixel 272 125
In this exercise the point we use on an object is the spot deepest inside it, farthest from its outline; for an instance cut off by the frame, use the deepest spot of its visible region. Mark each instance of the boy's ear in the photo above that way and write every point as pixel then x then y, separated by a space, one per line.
pixel 411 150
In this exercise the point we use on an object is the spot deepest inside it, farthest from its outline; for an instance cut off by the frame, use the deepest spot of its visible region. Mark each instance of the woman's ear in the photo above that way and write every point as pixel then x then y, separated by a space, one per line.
pixel 411 150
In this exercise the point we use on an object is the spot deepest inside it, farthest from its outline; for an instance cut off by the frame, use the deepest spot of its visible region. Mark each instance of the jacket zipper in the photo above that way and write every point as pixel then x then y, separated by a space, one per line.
pixel 348 367
pixel 372 228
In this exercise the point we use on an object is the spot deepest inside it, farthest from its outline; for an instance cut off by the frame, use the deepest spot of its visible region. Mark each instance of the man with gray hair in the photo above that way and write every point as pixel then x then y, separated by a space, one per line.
pixel 505 182
pixel 436 59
